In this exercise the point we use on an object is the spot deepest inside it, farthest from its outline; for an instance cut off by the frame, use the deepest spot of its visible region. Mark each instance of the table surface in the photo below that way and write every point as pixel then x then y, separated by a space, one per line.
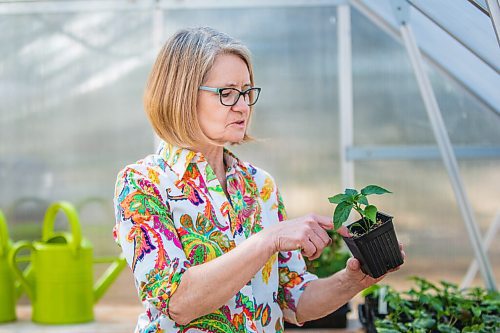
pixel 114 318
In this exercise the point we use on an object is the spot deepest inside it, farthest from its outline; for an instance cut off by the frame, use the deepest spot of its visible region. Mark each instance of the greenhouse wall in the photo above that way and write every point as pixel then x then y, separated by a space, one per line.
pixel 71 117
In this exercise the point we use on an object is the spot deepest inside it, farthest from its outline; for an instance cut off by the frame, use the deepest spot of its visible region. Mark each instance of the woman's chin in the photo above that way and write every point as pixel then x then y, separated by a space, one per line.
pixel 235 139
pixel 234 142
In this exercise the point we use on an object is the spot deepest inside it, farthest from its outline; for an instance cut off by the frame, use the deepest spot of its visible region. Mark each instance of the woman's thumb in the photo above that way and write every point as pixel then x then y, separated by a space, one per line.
pixel 353 265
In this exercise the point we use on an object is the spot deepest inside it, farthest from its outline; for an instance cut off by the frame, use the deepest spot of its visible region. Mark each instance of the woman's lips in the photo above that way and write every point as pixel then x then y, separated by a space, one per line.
pixel 240 123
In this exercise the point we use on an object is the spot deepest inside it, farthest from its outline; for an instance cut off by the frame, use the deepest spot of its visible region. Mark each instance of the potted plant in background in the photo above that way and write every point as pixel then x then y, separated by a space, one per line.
pixel 332 260
pixel 373 240
pixel 430 308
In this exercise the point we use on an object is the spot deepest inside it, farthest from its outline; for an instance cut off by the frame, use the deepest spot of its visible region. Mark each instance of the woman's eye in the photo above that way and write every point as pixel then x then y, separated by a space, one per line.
pixel 225 95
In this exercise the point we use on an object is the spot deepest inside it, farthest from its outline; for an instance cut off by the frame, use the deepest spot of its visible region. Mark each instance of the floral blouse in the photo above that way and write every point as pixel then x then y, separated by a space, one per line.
pixel 171 214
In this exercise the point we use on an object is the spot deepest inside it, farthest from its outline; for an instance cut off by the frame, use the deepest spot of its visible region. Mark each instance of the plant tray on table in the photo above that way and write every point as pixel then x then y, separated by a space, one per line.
pixel 430 308
pixel 373 240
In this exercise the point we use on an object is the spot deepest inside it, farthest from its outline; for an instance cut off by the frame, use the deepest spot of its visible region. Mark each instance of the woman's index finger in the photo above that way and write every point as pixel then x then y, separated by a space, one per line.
pixel 324 221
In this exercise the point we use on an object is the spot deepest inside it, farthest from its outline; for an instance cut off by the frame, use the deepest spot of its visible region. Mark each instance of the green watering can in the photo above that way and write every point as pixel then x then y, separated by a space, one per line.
pixel 8 288
pixel 62 263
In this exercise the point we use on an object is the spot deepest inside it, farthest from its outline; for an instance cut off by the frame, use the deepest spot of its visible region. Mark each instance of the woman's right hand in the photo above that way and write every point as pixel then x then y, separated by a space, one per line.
pixel 307 233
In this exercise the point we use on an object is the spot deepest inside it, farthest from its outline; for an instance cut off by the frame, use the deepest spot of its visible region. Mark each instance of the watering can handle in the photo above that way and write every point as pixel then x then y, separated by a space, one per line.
pixel 4 235
pixel 71 214
pixel 13 264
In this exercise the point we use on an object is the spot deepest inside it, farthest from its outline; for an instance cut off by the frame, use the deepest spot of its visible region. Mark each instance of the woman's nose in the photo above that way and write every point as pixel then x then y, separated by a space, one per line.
pixel 241 105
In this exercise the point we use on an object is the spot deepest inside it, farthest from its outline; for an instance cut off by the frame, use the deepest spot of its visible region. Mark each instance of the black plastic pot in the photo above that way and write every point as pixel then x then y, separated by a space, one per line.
pixel 367 313
pixel 336 319
pixel 378 250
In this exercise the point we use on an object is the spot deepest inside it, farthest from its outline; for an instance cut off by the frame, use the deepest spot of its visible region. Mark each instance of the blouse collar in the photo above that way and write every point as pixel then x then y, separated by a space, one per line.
pixel 179 158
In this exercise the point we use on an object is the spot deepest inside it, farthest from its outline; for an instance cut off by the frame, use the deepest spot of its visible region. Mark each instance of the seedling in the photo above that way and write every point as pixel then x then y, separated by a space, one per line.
pixel 432 307
pixel 351 199
pixel 372 238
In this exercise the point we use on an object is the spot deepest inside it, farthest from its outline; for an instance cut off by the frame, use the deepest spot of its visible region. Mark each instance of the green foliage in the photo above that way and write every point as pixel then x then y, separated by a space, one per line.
pixel 438 308
pixel 351 199
pixel 332 259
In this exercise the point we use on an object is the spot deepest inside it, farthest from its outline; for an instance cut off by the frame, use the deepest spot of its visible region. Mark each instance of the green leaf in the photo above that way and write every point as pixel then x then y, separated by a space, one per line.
pixel 386 330
pixel 351 192
pixel 476 311
pixel 336 199
pixel 424 323
pixel 447 328
pixel 341 214
pixel 362 199
pixel 471 329
pixel 490 318
pixel 374 189
pixel 350 195
pixel 423 299
pixel 371 213
pixel 402 327
pixel 370 290
pixel 383 323
pixel 436 304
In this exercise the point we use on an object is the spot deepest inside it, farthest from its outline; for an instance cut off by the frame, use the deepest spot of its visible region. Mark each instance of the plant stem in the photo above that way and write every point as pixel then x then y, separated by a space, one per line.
pixel 358 208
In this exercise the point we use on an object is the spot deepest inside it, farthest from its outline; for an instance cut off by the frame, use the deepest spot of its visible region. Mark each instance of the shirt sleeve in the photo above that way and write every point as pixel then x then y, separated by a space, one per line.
pixel 146 233
pixel 293 275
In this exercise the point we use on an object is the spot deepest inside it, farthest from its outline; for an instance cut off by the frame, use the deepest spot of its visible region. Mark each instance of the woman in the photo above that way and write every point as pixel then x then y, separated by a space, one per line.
pixel 199 227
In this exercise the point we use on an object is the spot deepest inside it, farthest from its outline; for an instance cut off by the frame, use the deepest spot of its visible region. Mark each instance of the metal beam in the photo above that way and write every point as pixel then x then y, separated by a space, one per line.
pixel 446 150
pixel 479 6
pixel 452 35
pixel 345 94
pixel 383 153
pixel 396 35
pixel 494 10
pixel 488 239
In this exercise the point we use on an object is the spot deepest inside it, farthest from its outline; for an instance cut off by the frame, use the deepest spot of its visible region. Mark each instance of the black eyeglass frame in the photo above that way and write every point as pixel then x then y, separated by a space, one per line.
pixel 247 92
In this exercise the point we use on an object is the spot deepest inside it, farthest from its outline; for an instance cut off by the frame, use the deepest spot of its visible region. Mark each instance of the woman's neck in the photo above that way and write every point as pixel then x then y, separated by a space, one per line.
pixel 214 156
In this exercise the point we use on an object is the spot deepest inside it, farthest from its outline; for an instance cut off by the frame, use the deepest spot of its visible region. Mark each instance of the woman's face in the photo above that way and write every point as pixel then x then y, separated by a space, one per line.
pixel 224 124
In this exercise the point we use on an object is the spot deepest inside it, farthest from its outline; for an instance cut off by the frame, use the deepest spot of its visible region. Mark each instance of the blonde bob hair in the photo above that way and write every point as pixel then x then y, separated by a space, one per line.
pixel 182 66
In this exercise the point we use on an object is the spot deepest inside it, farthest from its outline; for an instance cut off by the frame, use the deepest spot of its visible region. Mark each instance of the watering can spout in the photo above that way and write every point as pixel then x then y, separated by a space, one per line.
pixel 109 276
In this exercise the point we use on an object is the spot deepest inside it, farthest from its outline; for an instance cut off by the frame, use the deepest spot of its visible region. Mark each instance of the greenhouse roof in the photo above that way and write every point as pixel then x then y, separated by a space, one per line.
pixel 457 36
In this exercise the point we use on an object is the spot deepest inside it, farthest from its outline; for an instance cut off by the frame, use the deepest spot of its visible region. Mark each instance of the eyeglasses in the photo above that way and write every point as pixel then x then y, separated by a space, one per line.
pixel 230 96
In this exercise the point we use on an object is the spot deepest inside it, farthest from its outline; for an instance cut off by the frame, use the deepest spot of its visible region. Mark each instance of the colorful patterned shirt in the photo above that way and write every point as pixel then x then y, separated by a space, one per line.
pixel 171 214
